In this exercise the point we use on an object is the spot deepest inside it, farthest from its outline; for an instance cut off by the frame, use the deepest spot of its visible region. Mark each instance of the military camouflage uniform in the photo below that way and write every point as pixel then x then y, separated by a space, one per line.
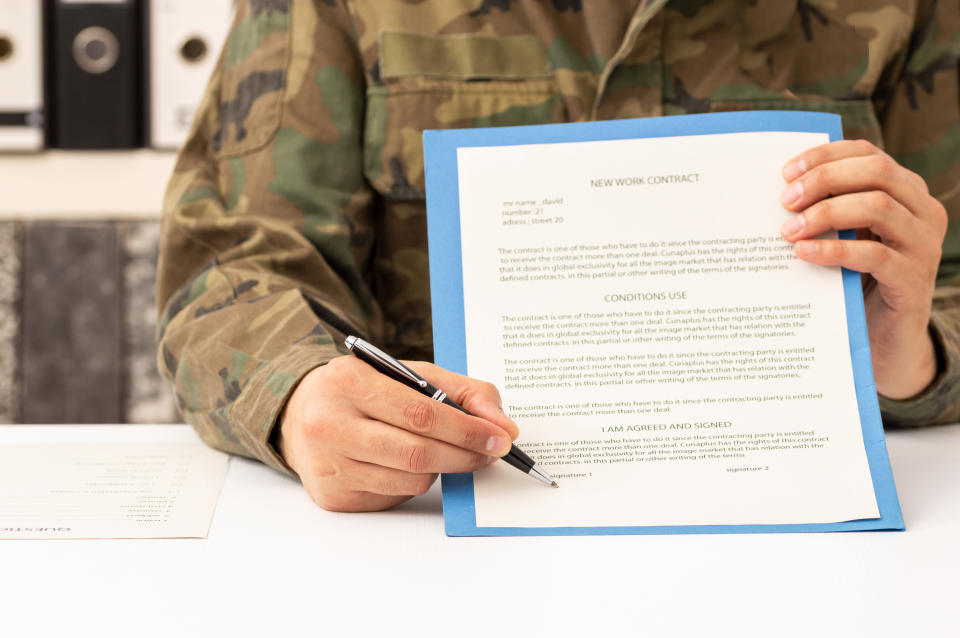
pixel 296 213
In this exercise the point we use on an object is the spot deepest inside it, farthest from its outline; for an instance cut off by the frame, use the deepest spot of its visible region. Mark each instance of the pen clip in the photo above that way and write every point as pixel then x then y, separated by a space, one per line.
pixel 376 356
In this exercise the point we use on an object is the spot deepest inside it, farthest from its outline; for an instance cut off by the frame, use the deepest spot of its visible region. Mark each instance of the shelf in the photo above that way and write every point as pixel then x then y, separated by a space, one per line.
pixel 84 185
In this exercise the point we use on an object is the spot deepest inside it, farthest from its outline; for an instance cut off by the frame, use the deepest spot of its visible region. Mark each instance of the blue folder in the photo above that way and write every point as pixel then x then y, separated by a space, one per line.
pixel 446 284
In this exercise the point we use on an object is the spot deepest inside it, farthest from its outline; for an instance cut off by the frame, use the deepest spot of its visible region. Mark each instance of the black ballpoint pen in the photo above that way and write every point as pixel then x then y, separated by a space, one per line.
pixel 389 366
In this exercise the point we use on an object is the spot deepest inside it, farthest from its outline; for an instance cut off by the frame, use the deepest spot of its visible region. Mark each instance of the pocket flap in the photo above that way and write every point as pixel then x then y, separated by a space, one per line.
pixel 462 56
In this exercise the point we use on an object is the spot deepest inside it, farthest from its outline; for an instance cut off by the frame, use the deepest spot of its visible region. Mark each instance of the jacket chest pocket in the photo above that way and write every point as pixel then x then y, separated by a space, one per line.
pixel 858 116
pixel 443 82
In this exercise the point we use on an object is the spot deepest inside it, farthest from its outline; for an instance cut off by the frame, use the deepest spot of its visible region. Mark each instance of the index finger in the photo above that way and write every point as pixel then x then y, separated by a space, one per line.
pixel 839 150
pixel 825 153
pixel 395 404
pixel 844 171
pixel 477 397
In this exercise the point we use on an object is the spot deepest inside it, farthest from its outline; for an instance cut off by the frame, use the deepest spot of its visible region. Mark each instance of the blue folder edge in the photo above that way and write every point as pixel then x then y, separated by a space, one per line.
pixel 446 283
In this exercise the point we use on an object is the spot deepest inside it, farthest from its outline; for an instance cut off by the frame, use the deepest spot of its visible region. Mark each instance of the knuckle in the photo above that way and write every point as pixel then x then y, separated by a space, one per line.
pixel 480 391
pixel 821 214
pixel 931 279
pixel 337 364
pixel 881 167
pixel 936 253
pixel 491 391
pixel 817 179
pixel 879 253
pixel 881 205
pixel 469 394
pixel 415 458
pixel 422 484
pixel 420 417
pixel 920 182
pixel 836 250
pixel 940 217
pixel 341 373
pixel 865 147
pixel 929 274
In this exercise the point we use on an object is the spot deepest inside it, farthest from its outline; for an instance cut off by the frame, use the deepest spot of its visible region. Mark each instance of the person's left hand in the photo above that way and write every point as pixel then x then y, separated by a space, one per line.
pixel 900 229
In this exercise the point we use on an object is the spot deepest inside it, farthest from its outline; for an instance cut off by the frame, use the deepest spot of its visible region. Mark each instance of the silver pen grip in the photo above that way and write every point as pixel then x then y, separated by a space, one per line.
pixel 386 364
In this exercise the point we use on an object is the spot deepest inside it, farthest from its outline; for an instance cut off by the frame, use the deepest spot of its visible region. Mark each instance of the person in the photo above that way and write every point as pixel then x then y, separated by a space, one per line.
pixel 296 213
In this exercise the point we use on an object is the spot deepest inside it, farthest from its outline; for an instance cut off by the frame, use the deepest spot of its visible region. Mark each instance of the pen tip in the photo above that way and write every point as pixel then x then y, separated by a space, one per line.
pixel 554 484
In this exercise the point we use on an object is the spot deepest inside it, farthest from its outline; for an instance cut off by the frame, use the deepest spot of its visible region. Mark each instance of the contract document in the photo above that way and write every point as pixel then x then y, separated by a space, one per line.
pixel 111 487
pixel 668 359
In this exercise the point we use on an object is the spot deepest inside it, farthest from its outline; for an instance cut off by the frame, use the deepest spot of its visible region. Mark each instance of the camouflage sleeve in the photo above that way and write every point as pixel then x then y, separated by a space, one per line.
pixel 267 221
pixel 920 110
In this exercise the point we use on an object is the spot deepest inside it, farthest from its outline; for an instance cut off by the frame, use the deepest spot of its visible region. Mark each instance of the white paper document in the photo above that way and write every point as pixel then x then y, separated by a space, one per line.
pixel 667 357
pixel 108 490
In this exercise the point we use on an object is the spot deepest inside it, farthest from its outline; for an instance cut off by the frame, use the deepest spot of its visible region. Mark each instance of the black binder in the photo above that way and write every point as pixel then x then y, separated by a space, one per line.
pixel 96 79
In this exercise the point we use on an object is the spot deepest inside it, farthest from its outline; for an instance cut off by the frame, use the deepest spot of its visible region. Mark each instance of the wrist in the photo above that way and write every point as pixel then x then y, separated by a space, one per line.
pixel 283 437
pixel 909 375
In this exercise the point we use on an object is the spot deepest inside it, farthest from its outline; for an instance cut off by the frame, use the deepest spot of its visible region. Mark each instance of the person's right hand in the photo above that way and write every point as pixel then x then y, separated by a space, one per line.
pixel 361 441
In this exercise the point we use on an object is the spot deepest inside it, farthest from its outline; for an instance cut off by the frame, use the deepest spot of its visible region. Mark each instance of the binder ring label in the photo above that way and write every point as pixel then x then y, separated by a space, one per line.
pixel 96 50
pixel 194 49
pixel 6 48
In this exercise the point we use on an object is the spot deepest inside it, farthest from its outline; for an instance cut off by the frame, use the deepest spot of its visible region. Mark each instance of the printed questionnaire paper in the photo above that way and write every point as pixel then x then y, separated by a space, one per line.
pixel 108 490
pixel 668 359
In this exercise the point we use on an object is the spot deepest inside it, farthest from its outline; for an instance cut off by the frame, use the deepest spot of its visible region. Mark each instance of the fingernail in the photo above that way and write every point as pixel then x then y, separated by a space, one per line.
pixel 791 194
pixel 806 247
pixel 793 170
pixel 792 226
pixel 498 445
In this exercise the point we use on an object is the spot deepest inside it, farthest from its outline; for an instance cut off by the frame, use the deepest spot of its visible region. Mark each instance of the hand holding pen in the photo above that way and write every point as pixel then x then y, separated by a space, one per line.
pixel 361 441
pixel 397 370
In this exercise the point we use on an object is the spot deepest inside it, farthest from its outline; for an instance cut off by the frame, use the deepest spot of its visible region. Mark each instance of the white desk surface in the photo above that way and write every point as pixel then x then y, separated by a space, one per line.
pixel 277 565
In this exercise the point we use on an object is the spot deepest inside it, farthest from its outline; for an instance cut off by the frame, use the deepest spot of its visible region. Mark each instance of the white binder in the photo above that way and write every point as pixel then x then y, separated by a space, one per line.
pixel 185 39
pixel 21 75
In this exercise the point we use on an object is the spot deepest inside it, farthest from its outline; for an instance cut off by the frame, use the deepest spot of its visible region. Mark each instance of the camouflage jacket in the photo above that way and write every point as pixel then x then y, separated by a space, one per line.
pixel 296 213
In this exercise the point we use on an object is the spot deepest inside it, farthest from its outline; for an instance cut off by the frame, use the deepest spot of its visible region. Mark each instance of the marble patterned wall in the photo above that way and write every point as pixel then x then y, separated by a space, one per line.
pixel 77 324
pixel 9 323
pixel 147 398
pixel 71 324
